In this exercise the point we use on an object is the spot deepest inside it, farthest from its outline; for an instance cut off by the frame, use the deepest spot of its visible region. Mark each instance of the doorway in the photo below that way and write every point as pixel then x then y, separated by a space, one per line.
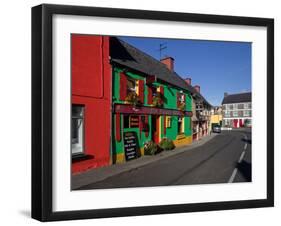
pixel 155 128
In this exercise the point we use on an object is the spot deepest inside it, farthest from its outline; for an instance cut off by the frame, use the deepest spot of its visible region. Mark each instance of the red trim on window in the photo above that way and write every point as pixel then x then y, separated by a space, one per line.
pixel 123 86
pixel 140 125
pixel 164 126
pixel 149 95
pixel 146 124
pixel 178 97
pixel 162 90
pixel 162 93
pixel 117 127
pixel 141 90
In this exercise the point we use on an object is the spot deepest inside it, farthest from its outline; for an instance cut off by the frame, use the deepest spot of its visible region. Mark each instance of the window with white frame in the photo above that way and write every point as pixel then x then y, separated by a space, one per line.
pixel 246 113
pixel 77 130
pixel 227 106
pixel 235 113
pixel 247 105
pixel 227 113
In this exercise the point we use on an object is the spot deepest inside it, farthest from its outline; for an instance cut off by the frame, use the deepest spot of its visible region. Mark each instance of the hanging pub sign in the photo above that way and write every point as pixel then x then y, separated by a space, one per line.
pixel 130 145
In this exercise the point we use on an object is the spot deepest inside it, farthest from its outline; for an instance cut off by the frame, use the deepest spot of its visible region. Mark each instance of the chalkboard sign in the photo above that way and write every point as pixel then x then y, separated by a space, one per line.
pixel 130 145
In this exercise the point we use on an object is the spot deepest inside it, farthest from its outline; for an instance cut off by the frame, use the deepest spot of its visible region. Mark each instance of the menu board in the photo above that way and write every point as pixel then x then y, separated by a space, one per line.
pixel 130 145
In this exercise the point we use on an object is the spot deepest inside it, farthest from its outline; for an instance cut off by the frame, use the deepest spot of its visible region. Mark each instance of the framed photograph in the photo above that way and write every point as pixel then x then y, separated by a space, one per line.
pixel 145 112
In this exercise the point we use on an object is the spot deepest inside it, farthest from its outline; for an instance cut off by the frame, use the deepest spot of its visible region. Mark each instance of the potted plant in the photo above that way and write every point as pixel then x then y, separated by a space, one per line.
pixel 132 98
pixel 166 144
pixel 150 148
pixel 157 100
pixel 181 106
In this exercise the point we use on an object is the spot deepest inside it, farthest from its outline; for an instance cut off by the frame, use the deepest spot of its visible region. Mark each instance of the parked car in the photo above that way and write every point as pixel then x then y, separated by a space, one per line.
pixel 216 128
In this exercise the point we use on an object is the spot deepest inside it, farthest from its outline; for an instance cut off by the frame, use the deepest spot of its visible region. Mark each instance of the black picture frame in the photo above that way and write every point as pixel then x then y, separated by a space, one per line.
pixel 42 111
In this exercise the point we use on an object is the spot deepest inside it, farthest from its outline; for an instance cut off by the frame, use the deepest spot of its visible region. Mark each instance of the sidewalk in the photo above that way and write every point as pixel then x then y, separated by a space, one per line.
pixel 99 174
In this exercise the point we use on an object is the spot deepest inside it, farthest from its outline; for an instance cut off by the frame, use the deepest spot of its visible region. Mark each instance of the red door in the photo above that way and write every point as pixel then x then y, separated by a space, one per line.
pixel 235 123
pixel 155 128
pixel 241 123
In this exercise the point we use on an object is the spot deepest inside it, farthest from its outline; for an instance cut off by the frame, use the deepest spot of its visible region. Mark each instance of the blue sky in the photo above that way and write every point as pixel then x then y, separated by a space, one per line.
pixel 216 66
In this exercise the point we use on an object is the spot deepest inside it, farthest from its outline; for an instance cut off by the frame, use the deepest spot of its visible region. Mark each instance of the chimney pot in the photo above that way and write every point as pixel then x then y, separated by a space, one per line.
pixel 169 62
pixel 197 88
pixel 188 81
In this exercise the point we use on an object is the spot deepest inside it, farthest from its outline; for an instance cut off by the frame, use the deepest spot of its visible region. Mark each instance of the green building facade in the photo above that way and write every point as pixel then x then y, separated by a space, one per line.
pixel 174 122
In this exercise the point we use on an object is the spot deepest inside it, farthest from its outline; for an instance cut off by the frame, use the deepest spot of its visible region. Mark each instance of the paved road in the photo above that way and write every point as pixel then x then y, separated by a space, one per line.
pixel 224 159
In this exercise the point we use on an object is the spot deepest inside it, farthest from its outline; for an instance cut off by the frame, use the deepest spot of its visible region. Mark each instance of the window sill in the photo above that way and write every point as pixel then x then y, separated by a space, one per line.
pixel 81 157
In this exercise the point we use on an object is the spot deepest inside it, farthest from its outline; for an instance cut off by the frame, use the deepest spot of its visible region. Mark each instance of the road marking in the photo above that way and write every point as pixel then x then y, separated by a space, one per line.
pixel 241 156
pixel 246 138
pixel 231 179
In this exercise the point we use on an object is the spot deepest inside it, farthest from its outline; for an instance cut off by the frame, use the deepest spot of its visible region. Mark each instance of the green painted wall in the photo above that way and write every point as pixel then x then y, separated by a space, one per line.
pixel 118 146
pixel 170 95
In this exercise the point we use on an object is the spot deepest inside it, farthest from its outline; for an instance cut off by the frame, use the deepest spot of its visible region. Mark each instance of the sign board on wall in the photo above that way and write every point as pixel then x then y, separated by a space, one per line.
pixel 134 121
pixel 143 110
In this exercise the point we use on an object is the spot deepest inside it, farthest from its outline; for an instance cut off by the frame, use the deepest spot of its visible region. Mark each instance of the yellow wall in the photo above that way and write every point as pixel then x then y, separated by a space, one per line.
pixel 216 119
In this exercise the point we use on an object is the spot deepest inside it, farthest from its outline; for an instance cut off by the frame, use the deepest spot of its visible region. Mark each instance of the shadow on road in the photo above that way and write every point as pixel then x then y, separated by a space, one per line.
pixel 245 169
pixel 249 141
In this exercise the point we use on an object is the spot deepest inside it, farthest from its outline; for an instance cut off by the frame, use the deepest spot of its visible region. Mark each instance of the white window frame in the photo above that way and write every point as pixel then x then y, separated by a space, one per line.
pixel 78 147
pixel 248 113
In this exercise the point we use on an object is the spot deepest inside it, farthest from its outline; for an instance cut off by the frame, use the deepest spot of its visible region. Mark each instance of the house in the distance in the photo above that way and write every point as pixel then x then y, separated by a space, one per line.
pixel 201 113
pixel 216 116
pixel 237 110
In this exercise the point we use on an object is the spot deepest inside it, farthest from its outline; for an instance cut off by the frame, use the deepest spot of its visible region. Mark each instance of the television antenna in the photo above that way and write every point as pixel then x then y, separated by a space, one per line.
pixel 162 46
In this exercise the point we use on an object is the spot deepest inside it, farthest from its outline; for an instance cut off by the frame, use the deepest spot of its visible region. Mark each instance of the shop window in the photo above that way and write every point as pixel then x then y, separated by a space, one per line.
pixel 126 121
pixel 168 121
pixel 77 130
pixel 180 125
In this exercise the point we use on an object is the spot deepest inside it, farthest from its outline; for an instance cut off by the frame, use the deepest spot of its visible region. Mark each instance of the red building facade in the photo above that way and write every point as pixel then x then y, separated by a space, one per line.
pixel 91 101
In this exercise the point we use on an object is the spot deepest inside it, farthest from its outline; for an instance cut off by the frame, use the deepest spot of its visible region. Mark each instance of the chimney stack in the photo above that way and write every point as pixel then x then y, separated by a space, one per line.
pixel 197 88
pixel 169 62
pixel 225 94
pixel 188 81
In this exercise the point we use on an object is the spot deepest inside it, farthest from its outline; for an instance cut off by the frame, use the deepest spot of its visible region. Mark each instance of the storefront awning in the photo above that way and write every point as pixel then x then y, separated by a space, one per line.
pixel 142 110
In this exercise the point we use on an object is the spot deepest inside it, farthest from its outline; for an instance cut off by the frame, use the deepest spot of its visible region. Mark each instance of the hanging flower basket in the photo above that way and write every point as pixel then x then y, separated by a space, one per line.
pixel 132 98
pixel 181 107
pixel 157 100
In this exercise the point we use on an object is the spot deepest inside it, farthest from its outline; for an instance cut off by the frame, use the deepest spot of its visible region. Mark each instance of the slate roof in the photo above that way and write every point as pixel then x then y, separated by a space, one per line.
pixel 237 98
pixel 129 56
